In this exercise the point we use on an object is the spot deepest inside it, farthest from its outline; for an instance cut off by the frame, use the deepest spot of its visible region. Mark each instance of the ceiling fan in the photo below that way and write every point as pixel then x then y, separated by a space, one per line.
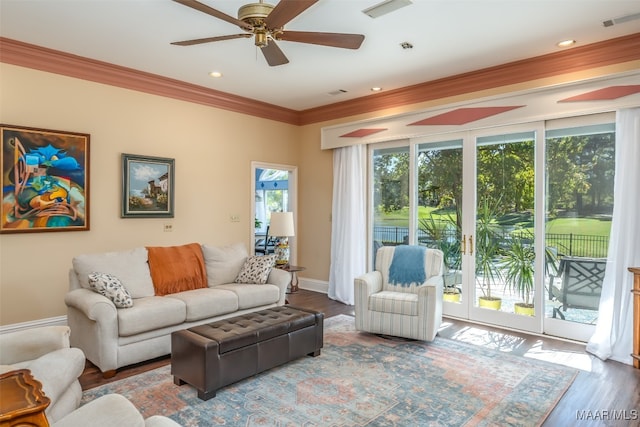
pixel 265 22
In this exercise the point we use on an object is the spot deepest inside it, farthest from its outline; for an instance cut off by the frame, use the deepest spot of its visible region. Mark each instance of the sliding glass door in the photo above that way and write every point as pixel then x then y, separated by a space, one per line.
pixel 438 211
pixel 503 239
pixel 521 213
pixel 580 168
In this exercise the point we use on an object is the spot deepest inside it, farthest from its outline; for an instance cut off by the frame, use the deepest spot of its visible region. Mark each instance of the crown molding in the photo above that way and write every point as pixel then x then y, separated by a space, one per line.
pixel 53 61
pixel 609 52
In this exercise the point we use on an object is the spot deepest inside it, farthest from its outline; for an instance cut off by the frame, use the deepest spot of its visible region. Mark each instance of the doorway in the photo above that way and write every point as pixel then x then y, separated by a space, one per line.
pixel 273 189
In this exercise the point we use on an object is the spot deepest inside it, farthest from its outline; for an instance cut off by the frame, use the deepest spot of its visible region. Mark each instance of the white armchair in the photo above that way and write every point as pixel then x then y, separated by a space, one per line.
pixel 409 310
pixel 112 410
pixel 46 353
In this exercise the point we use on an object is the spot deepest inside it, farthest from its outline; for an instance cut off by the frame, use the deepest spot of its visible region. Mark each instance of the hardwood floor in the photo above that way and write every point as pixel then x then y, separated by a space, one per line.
pixel 603 393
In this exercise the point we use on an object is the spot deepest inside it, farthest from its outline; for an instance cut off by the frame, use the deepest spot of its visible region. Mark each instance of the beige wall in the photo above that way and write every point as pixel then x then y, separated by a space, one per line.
pixel 212 148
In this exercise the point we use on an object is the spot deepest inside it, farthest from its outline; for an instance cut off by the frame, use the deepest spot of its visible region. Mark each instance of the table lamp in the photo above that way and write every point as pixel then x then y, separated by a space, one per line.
pixel 281 226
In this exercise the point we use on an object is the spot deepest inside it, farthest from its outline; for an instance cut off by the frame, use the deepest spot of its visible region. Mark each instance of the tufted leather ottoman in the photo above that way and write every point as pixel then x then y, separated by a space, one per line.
pixel 211 356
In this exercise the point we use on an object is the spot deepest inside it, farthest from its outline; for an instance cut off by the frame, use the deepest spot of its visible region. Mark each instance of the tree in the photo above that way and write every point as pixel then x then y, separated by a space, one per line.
pixel 391 171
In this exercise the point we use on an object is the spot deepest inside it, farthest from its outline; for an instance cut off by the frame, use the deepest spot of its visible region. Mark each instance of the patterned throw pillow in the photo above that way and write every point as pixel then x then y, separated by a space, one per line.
pixel 256 269
pixel 110 286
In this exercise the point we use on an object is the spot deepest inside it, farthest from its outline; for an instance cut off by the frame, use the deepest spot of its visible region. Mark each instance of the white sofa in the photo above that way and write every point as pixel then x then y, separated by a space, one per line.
pixel 45 351
pixel 113 337
pixel 410 310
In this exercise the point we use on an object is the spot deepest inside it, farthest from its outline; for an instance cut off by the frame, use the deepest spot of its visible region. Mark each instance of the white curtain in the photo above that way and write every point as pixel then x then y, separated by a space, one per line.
pixel 348 227
pixel 613 336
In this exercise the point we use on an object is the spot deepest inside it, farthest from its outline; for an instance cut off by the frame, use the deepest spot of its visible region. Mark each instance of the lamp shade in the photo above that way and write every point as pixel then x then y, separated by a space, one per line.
pixel 281 224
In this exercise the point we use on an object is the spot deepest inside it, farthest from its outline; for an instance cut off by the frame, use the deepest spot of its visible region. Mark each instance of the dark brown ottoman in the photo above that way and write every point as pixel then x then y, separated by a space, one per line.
pixel 211 356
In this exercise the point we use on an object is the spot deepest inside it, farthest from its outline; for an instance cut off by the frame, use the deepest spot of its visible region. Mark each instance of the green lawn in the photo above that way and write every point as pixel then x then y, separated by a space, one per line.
pixel 576 236
pixel 584 226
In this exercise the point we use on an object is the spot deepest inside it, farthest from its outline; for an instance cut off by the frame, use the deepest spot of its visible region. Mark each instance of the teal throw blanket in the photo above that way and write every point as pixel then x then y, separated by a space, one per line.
pixel 407 265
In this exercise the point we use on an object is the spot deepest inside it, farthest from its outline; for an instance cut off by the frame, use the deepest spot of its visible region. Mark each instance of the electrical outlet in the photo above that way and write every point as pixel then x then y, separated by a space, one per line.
pixel 168 227
pixel 234 218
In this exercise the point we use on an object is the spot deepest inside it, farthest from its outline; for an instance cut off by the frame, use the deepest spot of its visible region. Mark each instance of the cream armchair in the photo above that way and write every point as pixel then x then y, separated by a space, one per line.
pixel 404 309
pixel 46 353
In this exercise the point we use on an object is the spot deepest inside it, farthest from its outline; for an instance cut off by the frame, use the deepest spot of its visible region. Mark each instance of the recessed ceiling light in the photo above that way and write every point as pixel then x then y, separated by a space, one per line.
pixel 376 89
pixel 566 43
pixel 215 74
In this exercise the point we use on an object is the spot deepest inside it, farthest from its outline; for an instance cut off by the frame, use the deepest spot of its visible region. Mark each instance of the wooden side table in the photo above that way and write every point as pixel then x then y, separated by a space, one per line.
pixel 293 269
pixel 636 316
pixel 23 402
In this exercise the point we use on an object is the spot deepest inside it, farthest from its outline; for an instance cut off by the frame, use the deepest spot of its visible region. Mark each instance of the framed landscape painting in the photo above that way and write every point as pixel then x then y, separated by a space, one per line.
pixel 45 180
pixel 147 186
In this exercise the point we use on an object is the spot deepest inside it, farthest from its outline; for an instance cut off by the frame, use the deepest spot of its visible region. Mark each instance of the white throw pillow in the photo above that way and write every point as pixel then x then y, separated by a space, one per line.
pixel 223 263
pixel 256 269
pixel 130 267
pixel 109 286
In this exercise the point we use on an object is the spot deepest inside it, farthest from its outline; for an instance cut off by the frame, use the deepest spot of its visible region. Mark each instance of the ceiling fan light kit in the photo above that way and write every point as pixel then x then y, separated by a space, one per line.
pixel 265 23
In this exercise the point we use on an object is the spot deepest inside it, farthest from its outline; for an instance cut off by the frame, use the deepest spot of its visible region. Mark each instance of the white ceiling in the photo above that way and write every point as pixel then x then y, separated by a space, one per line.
pixel 449 37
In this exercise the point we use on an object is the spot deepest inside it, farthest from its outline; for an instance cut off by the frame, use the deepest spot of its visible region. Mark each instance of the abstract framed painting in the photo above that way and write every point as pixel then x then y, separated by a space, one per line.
pixel 45 180
pixel 147 186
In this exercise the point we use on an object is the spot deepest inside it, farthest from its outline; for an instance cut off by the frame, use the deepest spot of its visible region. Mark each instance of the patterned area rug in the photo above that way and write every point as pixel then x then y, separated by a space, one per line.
pixel 366 380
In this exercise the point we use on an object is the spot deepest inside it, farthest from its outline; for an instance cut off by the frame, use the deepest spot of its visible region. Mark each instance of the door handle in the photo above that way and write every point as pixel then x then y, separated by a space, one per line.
pixel 471 245
pixel 464 244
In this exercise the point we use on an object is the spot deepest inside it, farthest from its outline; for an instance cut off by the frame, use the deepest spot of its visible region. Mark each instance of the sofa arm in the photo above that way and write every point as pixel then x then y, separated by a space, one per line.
pixel 93 320
pixel 93 305
pixel 430 305
pixel 30 344
pixel 281 279
pixel 106 411
pixel 368 283
pixel 364 286
pixel 160 421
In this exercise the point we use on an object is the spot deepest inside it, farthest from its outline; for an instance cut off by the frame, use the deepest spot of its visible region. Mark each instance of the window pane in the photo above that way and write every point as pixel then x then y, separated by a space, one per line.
pixel 579 178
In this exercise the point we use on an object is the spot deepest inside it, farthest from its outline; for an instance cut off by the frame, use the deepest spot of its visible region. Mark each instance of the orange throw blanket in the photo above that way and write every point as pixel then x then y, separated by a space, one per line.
pixel 177 268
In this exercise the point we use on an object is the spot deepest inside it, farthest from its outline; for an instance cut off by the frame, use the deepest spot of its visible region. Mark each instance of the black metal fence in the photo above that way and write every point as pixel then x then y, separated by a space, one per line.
pixel 582 245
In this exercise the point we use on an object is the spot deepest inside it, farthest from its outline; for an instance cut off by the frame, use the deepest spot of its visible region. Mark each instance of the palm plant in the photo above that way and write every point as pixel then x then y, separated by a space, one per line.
pixel 438 234
pixel 487 248
pixel 518 268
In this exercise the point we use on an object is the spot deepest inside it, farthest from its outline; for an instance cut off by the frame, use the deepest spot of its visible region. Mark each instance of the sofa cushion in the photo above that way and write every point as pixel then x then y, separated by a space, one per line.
pixel 110 286
pixel 208 302
pixel 129 266
pixel 256 269
pixel 224 262
pixel 394 302
pixel 253 295
pixel 177 268
pixel 151 313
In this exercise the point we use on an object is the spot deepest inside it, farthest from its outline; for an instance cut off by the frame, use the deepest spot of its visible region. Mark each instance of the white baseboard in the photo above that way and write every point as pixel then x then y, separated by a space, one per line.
pixel 313 285
pixel 51 321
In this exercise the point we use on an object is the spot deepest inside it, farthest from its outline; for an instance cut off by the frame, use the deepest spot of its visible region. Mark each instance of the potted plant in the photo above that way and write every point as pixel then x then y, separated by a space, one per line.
pixel 451 255
pixel 487 252
pixel 518 268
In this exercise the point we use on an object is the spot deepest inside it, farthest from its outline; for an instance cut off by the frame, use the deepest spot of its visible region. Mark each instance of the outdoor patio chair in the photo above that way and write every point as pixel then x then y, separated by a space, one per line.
pixel 581 284
pixel 267 245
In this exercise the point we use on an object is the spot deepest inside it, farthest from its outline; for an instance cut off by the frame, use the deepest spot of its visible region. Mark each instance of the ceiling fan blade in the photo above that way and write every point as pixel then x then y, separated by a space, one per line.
pixel 346 41
pixel 215 13
pixel 273 54
pixel 211 39
pixel 285 11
